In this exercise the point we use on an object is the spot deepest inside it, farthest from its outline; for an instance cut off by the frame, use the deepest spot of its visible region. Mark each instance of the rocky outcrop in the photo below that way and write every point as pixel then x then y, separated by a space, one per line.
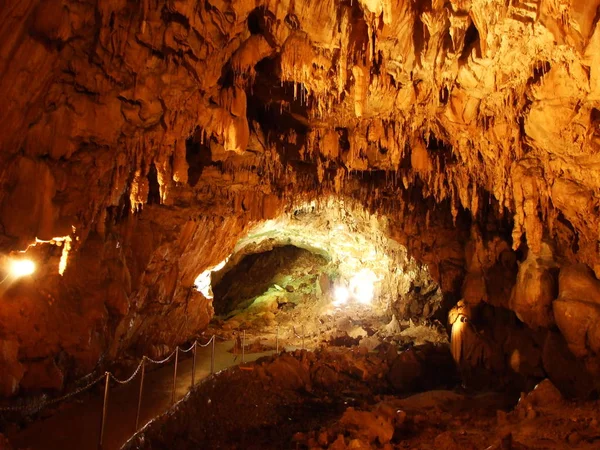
pixel 535 290
pixel 577 313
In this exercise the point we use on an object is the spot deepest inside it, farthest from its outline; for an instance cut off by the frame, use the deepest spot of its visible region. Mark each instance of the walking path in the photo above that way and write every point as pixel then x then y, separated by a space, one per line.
pixel 77 425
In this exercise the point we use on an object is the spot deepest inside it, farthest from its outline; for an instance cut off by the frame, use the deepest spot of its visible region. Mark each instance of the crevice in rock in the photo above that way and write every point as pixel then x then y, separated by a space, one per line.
pixel 197 155
pixel 154 187
pixel 540 69
pixel 471 43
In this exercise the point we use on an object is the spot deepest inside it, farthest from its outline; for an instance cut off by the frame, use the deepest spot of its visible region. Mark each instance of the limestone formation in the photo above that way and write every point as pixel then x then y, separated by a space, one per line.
pixel 139 141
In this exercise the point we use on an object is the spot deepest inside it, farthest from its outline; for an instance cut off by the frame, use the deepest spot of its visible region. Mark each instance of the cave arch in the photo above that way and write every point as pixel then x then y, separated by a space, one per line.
pixel 355 254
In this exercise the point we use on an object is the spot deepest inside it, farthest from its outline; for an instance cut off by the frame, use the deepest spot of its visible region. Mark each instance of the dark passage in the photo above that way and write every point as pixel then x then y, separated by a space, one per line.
pixel 279 269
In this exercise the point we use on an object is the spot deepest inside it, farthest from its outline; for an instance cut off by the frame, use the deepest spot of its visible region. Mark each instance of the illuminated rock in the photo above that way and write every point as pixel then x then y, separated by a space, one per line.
pixel 155 134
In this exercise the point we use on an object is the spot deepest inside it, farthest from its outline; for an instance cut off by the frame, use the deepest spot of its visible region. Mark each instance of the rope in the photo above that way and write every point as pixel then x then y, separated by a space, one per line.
pixel 209 341
pixel 76 391
pixel 189 349
pixel 35 407
pixel 131 377
pixel 162 360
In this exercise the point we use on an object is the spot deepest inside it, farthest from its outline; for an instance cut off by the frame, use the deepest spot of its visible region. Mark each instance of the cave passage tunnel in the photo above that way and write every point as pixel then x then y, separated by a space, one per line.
pixel 326 271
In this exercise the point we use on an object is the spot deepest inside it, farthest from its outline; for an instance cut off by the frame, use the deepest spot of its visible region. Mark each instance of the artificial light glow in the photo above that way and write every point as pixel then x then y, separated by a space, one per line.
pixel 362 286
pixel 203 281
pixel 64 257
pixel 21 267
pixel 60 241
pixel 340 295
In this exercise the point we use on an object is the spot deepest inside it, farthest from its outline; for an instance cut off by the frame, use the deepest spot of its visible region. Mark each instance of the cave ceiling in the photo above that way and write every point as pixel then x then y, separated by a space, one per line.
pixel 452 98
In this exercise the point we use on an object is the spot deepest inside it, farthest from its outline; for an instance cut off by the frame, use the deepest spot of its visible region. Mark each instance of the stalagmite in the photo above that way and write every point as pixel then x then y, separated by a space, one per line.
pixel 360 90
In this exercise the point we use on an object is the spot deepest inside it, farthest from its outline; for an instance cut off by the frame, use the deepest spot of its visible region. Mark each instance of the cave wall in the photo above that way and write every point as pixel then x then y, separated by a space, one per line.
pixel 154 133
pixel 468 96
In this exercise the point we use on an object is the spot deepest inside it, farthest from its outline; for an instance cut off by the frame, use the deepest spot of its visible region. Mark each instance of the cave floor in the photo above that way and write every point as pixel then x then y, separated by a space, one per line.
pixel 337 399
pixel 312 324
pixel 76 425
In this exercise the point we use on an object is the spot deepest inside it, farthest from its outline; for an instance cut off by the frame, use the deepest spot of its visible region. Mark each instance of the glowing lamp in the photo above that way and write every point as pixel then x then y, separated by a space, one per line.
pixel 362 286
pixel 21 267
pixel 364 294
pixel 341 295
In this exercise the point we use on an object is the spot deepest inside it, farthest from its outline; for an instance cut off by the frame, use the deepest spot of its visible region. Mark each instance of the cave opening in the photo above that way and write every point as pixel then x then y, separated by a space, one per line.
pixel 264 280
pixel 331 270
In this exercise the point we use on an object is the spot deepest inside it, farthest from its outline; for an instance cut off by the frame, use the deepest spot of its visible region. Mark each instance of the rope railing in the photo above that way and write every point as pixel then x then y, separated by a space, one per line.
pixel 32 408
pixel 243 336
pixel 212 339
pixel 162 361
pixel 133 375
pixel 189 349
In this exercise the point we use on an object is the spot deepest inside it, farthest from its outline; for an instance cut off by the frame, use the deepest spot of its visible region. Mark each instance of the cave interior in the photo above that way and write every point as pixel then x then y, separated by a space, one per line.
pixel 397 200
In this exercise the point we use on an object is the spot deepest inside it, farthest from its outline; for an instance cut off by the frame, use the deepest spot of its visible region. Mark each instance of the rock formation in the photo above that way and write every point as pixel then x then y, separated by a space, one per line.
pixel 139 141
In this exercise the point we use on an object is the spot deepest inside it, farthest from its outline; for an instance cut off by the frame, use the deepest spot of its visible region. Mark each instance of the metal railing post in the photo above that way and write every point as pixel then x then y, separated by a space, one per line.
pixel 243 345
pixel 175 374
pixel 194 363
pixel 277 340
pixel 104 408
pixel 139 408
pixel 212 355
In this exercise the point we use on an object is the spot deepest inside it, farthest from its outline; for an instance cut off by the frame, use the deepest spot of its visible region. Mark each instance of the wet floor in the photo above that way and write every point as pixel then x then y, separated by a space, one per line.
pixel 77 425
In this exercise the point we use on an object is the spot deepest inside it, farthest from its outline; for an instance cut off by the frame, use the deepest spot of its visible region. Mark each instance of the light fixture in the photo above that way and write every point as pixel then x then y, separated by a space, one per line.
pixel 65 243
pixel 362 286
pixel 21 267
pixel 203 281
pixel 341 295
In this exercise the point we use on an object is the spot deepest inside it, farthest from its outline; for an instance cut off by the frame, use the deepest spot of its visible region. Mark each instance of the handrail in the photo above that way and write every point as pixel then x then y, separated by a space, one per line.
pixel 34 407
pixel 29 409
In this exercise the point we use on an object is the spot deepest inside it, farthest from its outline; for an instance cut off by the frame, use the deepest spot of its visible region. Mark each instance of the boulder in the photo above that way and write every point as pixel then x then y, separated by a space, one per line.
pixel 577 310
pixel 368 426
pixel 420 368
pixel 545 394
pixel 370 342
pixel 579 322
pixel 405 371
pixel 325 377
pixel 288 372
pixel 578 282
pixel 534 292
pixel 563 369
